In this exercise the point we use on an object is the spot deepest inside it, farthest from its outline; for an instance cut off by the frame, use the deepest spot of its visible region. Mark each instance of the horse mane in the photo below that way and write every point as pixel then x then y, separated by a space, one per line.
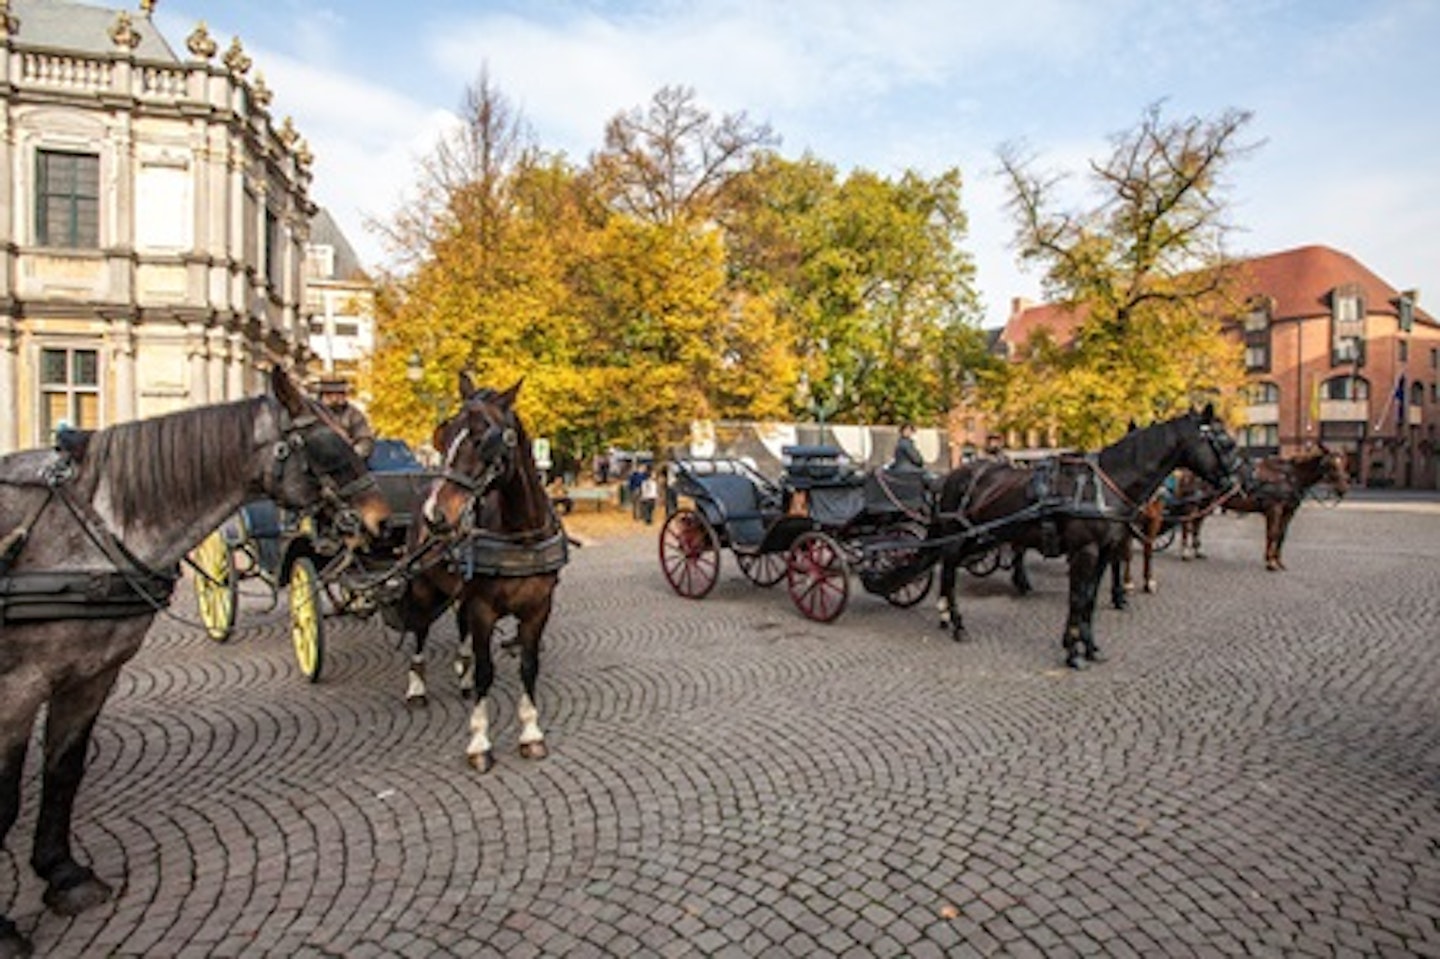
pixel 174 462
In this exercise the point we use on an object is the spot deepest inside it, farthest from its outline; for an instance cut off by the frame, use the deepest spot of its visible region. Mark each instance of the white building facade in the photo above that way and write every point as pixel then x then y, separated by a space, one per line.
pixel 153 218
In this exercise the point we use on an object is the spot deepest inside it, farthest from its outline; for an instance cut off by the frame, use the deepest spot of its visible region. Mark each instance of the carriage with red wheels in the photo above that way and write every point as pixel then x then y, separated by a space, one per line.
pixel 821 521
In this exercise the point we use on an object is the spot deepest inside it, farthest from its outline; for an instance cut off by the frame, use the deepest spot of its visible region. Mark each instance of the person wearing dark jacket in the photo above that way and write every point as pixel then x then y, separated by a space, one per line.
pixel 335 394
pixel 907 454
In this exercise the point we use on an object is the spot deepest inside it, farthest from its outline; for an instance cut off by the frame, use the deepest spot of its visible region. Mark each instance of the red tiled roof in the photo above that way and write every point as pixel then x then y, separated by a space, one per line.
pixel 1299 280
pixel 1059 318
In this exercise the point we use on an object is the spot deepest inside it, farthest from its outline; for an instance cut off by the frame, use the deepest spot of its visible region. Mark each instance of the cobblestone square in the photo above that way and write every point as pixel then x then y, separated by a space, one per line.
pixel 1255 771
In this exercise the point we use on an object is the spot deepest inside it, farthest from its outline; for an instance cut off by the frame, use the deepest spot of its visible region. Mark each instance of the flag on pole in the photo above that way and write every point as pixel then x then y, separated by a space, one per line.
pixel 1399 397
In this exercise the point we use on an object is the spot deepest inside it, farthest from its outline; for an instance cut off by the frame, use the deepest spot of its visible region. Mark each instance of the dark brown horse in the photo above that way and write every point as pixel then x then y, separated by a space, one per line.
pixel 1275 487
pixel 503 548
pixel 1080 507
pixel 90 544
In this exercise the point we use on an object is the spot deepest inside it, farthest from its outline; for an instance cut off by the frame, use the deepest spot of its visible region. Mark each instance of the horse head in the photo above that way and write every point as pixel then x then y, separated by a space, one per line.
pixel 1207 449
pixel 480 444
pixel 1333 471
pixel 313 463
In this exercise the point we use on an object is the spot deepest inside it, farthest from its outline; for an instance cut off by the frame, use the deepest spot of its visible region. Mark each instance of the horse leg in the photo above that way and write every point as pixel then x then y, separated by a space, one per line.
pixel 1286 515
pixel 17 724
pixel 1085 571
pixel 464 655
pixel 481 619
pixel 1119 561
pixel 1195 539
pixel 950 617
pixel 1019 575
pixel 528 634
pixel 70 887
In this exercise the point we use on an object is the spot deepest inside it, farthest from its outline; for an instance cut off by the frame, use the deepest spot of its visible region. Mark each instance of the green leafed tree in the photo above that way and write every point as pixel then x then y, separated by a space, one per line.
pixel 1144 269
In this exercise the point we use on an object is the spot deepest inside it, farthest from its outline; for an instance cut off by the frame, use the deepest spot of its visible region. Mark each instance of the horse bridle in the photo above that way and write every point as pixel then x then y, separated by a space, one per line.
pixel 295 437
pixel 492 468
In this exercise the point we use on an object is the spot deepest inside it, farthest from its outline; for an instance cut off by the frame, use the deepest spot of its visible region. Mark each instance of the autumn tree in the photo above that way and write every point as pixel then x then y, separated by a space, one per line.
pixel 871 274
pixel 1143 269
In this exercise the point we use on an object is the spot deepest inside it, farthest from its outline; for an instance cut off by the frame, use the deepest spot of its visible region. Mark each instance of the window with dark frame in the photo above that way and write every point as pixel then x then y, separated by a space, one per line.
pixel 1347 323
pixel 67 200
pixel 1256 330
pixel 69 390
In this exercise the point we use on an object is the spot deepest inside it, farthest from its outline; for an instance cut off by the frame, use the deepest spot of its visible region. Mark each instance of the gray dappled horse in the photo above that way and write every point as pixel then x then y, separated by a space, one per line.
pixel 1083 513
pixel 90 542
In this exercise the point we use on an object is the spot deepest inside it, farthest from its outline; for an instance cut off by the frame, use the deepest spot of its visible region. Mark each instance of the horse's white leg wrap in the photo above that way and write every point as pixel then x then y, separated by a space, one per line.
pixel 529 718
pixel 415 683
pixel 479 730
pixel 943 605
pixel 465 665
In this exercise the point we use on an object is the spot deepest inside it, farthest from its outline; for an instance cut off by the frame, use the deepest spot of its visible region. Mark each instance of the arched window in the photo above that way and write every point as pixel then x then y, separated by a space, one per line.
pixel 1417 393
pixel 1346 388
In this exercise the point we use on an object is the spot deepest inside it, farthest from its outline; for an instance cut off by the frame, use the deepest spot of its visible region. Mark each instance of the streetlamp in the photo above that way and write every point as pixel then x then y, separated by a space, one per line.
pixel 415 373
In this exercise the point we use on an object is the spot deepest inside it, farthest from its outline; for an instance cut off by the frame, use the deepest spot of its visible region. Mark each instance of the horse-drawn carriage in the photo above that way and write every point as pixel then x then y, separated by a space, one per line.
pixel 286 551
pixel 812 527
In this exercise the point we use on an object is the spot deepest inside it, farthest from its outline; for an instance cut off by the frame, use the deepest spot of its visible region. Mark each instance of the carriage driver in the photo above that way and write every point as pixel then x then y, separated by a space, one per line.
pixel 335 394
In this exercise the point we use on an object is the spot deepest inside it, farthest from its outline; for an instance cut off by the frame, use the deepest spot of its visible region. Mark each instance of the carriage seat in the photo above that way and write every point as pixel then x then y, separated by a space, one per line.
pixel 734 506
pixel 897 491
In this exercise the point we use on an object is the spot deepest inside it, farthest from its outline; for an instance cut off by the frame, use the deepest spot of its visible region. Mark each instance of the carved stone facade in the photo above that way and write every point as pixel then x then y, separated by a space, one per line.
pixel 153 223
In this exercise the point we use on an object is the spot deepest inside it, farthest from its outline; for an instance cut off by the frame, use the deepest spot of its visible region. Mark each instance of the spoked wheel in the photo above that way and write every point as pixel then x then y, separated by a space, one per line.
pixel 216 586
pixel 690 554
pixel 983 564
pixel 1164 540
pixel 307 624
pixel 762 569
pixel 918 588
pixel 817 577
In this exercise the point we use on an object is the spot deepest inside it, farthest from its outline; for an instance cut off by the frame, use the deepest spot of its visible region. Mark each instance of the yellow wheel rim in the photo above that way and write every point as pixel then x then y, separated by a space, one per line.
pixel 215 589
pixel 305 622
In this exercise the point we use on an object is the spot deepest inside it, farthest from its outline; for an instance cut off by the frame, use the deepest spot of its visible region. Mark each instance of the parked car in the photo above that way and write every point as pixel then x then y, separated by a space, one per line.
pixel 393 456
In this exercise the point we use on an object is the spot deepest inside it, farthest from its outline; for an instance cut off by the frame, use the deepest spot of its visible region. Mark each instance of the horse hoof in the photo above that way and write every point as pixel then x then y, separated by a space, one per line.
pixel 959 635
pixel 482 762
pixel 1095 656
pixel 417 702
pixel 12 944
pixel 535 750
pixel 1075 662
pixel 1151 586
pixel 73 899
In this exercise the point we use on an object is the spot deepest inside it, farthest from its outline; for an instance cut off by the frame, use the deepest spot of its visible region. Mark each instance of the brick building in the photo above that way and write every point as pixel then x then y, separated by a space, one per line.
pixel 1333 354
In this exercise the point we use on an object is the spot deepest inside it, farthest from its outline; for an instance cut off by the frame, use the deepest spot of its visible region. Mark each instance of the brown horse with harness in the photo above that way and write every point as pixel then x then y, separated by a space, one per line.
pixel 1079 507
pixel 1274 487
pixel 496 549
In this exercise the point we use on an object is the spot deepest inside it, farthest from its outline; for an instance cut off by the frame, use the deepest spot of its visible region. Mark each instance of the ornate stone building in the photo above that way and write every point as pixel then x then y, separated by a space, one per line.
pixel 153 218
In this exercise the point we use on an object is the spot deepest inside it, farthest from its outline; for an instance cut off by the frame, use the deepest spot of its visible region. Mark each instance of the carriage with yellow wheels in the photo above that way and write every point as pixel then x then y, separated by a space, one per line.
pixel 309 562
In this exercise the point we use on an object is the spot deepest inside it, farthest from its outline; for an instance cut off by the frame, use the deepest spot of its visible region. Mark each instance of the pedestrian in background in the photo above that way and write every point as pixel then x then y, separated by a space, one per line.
pixel 649 492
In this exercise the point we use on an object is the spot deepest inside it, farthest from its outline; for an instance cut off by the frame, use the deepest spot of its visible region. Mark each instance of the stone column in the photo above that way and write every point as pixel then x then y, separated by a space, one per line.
pixel 195 352
pixel 9 386
pixel 122 350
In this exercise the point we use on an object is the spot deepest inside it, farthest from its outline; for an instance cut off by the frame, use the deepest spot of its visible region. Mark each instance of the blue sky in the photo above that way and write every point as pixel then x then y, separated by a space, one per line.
pixel 1346 95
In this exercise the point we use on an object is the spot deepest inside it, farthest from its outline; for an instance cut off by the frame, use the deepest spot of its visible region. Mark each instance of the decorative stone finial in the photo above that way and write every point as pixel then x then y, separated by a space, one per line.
pixel 8 22
pixel 123 33
pixel 303 156
pixel 287 132
pixel 260 93
pixel 200 43
pixel 147 7
pixel 235 59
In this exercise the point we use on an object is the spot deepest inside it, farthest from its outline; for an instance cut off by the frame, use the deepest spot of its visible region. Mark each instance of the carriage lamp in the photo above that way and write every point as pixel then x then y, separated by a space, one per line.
pixel 415 367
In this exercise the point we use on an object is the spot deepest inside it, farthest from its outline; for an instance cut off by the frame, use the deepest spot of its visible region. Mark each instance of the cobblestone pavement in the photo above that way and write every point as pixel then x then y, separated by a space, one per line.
pixel 1256 771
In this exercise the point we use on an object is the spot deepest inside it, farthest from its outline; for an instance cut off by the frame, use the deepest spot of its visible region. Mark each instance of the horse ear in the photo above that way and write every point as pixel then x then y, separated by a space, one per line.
pixel 285 391
pixel 467 386
pixel 1132 427
pixel 1209 412
pixel 507 399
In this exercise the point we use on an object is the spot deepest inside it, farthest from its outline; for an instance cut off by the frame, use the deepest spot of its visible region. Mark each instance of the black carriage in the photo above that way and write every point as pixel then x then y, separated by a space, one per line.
pixel 289 552
pixel 817 523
